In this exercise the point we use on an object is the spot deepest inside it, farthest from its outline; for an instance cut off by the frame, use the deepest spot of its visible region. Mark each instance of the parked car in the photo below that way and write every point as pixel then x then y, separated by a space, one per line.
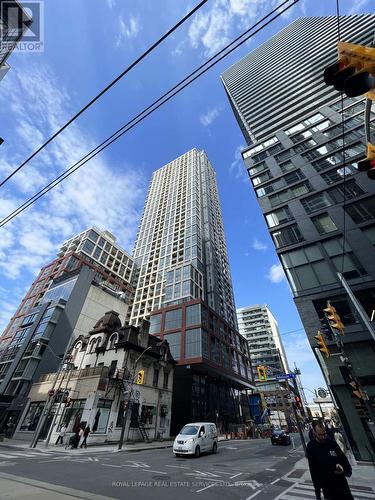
pixel 195 439
pixel 280 437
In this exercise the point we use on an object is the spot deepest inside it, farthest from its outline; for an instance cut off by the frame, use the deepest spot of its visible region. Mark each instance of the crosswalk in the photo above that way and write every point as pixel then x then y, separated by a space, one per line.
pixel 297 491
pixel 8 457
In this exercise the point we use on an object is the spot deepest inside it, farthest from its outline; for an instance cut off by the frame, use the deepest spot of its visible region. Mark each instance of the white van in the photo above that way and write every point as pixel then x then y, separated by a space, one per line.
pixel 196 438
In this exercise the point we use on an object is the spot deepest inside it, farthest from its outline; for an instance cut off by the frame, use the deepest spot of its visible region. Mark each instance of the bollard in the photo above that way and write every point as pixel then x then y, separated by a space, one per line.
pixel 293 443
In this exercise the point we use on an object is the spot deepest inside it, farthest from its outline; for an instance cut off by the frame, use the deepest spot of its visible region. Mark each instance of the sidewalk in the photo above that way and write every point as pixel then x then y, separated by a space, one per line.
pixel 363 474
pixel 95 448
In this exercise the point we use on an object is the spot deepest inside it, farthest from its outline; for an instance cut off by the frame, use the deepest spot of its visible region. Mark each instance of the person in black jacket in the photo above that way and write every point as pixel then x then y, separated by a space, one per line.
pixel 328 465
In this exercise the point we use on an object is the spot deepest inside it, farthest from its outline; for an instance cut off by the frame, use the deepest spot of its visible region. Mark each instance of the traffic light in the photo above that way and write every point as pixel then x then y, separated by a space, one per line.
pixel 354 72
pixel 140 377
pixel 262 374
pixel 368 164
pixel 322 344
pixel 334 318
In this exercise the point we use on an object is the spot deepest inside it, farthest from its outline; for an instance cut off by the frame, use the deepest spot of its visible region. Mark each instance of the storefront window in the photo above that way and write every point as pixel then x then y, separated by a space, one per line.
pixel 32 417
pixel 102 415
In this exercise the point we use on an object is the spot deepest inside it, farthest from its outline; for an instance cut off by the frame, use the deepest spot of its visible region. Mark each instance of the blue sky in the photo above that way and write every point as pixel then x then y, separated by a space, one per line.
pixel 86 44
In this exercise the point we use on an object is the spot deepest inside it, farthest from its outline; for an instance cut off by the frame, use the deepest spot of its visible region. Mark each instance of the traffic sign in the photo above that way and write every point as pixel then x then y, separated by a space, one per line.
pixel 51 393
pixel 285 376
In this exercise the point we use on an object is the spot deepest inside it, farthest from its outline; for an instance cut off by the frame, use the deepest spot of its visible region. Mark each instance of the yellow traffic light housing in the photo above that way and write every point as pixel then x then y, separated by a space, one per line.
pixel 322 344
pixel 140 377
pixel 262 374
pixel 354 72
pixel 334 318
pixel 368 164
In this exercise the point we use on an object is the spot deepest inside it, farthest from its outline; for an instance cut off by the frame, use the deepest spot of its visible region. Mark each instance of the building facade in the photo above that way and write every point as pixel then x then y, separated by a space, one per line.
pixel 318 208
pixel 185 288
pixel 69 295
pixel 99 388
pixel 259 327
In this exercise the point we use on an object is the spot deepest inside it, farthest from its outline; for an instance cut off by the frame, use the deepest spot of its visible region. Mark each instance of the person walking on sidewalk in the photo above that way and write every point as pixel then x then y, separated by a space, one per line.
pixel 61 435
pixel 328 465
pixel 86 433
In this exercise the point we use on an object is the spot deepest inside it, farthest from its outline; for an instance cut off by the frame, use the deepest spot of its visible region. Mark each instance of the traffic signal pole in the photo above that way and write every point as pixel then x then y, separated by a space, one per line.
pixel 301 435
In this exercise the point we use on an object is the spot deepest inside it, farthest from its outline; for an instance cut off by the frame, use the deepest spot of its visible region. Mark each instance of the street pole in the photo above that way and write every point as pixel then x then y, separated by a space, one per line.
pixel 129 400
pixel 297 419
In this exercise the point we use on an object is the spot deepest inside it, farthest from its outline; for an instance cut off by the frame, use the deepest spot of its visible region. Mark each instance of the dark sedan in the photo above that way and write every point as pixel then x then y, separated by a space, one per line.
pixel 280 437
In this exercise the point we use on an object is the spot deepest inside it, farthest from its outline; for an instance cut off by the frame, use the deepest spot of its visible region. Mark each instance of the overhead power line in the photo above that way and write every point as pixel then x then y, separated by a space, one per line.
pixel 102 92
pixel 155 105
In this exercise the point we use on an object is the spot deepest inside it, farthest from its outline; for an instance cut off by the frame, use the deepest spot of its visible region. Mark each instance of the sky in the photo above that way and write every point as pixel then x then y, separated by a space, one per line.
pixel 87 43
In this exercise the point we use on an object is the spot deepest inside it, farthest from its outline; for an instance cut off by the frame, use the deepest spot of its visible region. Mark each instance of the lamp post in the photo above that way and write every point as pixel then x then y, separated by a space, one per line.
pixel 128 400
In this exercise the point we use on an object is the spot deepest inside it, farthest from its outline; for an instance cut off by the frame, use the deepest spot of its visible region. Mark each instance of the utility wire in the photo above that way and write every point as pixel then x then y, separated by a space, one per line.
pixel 150 109
pixel 102 92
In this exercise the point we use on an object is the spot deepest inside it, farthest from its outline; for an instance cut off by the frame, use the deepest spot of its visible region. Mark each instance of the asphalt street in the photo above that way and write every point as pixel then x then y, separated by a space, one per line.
pixel 240 470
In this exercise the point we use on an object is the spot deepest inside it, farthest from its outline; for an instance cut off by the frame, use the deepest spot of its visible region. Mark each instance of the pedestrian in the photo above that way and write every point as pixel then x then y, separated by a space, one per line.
pixel 77 437
pixel 9 428
pixel 60 438
pixel 339 438
pixel 328 465
pixel 86 433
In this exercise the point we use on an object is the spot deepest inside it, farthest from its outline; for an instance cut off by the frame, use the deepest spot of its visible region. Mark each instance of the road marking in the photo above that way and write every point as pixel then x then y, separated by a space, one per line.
pixel 254 495
pixel 156 471
pixel 232 477
pixel 272 470
pixel 177 466
pixel 7 464
pixel 285 491
pixel 210 486
pixel 231 447
pixel 110 465
pixel 276 480
pixel 201 474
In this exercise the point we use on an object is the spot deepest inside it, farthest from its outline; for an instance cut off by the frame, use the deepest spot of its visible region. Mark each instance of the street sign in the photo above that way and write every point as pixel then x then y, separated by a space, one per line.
pixel 285 376
pixel 51 393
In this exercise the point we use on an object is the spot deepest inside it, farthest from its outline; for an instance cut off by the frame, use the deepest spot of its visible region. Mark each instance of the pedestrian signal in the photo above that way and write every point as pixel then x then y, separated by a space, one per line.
pixel 140 377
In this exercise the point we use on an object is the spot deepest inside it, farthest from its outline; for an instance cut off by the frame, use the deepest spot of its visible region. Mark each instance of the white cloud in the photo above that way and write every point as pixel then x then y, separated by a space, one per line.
pixel 107 196
pixel 259 245
pixel 358 7
pixel 111 4
pixel 276 273
pixel 213 28
pixel 210 116
pixel 127 30
pixel 237 167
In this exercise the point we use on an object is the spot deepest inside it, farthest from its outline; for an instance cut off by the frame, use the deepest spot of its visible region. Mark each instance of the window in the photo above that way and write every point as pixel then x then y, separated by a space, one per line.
pixel 279 216
pixel 346 263
pixel 259 157
pixel 350 190
pixel 338 174
pixel 324 224
pixel 370 234
pixel 315 202
pixel 290 193
pixel 165 380
pixel 306 268
pixel 93 235
pixel 174 341
pixel 155 323
pixel 327 162
pixel 298 148
pixel 215 349
pixel 102 415
pixel 285 155
pixel 193 346
pixel 88 246
pixel 362 211
pixel 287 167
pixel 193 315
pixel 301 136
pixel 261 178
pixel 155 379
pixel 287 236
pixel 173 319
pixel 32 416
pixel 258 168
pixel 294 176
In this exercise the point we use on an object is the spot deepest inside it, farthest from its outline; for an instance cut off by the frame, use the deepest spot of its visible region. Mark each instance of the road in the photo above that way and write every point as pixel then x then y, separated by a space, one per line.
pixel 240 470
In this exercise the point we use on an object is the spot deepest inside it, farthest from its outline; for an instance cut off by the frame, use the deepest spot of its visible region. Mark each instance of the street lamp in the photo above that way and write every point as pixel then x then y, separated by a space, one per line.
pixel 130 394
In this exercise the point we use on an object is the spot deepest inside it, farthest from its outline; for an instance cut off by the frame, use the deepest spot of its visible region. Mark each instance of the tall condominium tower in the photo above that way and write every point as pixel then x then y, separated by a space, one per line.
pixel 320 211
pixel 185 287
pixel 259 327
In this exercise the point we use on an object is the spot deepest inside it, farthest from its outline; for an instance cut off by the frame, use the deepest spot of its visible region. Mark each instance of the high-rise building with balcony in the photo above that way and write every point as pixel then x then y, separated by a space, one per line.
pixel 91 276
pixel 320 211
pixel 185 287
pixel 259 327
